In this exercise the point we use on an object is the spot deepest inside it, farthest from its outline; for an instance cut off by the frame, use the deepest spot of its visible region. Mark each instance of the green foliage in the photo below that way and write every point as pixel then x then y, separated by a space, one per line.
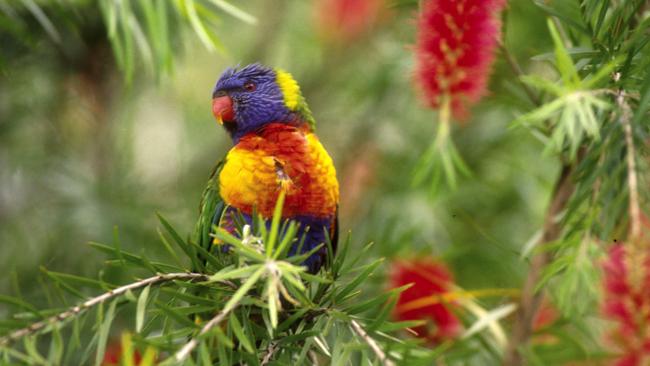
pixel 441 160
pixel 253 304
pixel 583 121
pixel 141 32
pixel 267 305
pixel 576 106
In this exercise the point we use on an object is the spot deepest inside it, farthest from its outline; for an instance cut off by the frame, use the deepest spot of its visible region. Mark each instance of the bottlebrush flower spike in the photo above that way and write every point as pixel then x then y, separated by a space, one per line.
pixel 424 300
pixel 455 49
pixel 626 301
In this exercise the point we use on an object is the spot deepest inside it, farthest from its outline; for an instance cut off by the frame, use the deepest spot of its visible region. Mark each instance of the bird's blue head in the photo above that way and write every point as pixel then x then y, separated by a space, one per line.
pixel 246 99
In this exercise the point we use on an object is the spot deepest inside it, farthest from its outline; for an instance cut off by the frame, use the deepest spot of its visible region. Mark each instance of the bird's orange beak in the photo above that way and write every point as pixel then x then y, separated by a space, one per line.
pixel 222 109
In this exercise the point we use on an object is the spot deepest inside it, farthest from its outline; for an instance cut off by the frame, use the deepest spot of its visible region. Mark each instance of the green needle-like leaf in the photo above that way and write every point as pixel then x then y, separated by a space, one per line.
pixel 359 279
pixel 230 273
pixel 564 63
pixel 239 333
pixel 141 309
pixel 243 290
pixel 275 225
pixel 104 330
pixel 235 11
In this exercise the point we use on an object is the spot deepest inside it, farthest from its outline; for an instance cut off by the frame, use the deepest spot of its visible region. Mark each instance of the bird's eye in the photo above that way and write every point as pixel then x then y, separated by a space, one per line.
pixel 250 86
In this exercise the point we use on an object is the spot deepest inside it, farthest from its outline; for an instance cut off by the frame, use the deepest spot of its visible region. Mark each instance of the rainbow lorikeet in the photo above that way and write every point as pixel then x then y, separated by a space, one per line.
pixel 275 149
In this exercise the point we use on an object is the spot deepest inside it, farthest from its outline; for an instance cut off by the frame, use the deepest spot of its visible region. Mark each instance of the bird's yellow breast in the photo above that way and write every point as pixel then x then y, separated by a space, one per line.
pixel 280 158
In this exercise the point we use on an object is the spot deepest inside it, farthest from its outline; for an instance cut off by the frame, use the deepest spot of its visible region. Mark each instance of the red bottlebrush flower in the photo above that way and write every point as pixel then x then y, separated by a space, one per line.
pixel 626 301
pixel 455 49
pixel 347 20
pixel 424 300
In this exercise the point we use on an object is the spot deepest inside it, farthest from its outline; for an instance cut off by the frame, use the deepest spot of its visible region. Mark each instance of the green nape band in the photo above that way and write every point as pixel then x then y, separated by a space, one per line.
pixel 293 98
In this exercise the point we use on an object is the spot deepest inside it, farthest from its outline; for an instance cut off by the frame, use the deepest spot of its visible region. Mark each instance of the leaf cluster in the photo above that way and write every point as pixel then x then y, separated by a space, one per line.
pixel 142 34
pixel 600 88
pixel 252 305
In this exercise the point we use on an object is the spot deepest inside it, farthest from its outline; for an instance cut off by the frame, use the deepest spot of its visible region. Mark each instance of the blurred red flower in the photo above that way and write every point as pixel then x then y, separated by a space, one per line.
pixel 347 20
pixel 113 355
pixel 455 49
pixel 546 315
pixel 424 300
pixel 626 301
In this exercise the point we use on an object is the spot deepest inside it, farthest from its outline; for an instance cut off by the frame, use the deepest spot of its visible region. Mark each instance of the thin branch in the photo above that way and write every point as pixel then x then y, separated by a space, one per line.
pixel 35 327
pixel 372 343
pixel 189 346
pixel 632 180
pixel 270 352
pixel 313 357
pixel 530 299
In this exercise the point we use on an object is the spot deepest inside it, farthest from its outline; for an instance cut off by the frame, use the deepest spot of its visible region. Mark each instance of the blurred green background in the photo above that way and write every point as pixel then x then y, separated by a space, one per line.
pixel 83 150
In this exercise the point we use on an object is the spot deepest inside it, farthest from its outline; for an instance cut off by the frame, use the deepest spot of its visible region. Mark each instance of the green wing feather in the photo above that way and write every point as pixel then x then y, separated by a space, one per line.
pixel 210 210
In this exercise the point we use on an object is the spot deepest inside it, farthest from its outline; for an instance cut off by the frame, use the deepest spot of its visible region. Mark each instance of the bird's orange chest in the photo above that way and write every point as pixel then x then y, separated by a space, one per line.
pixel 281 157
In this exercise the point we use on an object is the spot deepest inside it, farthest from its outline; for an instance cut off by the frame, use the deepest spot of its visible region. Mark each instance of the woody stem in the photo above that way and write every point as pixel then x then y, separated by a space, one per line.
pixel 530 298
